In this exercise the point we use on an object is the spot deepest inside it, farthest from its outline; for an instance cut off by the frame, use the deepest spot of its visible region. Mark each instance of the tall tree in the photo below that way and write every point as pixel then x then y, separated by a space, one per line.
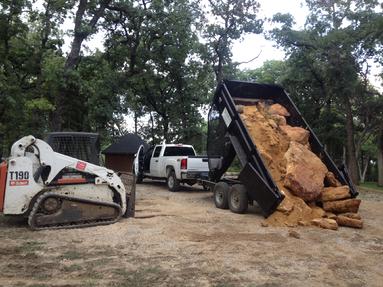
pixel 156 48
pixel 23 105
pixel 229 20
pixel 86 19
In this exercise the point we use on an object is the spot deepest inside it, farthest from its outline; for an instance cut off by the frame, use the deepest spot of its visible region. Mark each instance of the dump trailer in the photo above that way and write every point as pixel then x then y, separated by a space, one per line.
pixel 228 138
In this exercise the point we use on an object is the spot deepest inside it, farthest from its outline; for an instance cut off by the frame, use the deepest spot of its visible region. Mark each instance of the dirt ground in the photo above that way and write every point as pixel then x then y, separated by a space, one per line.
pixel 181 239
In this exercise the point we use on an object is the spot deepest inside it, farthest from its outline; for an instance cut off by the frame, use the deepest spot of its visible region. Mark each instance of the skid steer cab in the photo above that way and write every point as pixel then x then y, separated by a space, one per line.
pixel 57 191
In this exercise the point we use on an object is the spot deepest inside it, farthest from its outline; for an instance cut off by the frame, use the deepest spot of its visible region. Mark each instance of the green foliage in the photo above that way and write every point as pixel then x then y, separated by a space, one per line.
pixel 231 20
pixel 271 72
pixel 38 105
pixel 165 75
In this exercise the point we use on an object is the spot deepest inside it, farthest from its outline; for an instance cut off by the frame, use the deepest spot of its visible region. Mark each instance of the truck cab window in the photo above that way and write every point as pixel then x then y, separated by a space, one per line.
pixel 179 151
pixel 157 151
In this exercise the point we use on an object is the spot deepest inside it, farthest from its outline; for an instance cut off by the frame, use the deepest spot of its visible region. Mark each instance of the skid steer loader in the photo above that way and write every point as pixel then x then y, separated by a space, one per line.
pixel 57 191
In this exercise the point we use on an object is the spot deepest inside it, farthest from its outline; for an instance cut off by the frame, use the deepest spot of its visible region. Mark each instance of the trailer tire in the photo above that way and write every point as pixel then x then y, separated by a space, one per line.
pixel 172 181
pixel 221 195
pixel 238 200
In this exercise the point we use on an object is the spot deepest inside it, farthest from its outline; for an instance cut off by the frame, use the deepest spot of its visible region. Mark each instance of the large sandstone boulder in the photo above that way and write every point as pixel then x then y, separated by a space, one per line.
pixel 278 109
pixel 297 134
pixel 305 172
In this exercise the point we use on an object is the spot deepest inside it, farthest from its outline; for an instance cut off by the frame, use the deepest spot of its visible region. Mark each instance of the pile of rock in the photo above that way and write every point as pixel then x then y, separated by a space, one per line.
pixel 313 196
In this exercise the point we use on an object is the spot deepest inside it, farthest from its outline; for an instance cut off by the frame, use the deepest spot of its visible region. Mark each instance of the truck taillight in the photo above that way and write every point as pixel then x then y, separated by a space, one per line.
pixel 184 163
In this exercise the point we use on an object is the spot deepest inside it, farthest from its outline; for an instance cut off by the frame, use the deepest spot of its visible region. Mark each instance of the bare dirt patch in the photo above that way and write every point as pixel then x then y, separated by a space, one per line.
pixel 181 239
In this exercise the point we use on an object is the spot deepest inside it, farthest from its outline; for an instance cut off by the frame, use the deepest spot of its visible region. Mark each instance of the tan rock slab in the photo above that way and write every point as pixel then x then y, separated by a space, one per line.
pixel 335 193
pixel 342 206
pixel 325 223
pixel 349 222
pixel 351 215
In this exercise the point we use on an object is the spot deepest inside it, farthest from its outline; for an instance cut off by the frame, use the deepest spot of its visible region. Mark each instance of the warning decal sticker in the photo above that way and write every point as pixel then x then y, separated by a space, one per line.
pixel 19 182
pixel 80 165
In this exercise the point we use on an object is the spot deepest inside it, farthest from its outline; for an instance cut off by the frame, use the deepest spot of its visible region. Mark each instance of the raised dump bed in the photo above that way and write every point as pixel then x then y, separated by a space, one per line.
pixel 228 137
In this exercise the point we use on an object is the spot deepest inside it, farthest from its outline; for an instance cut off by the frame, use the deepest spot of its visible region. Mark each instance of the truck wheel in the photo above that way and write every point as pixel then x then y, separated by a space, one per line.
pixel 139 178
pixel 221 194
pixel 238 201
pixel 173 182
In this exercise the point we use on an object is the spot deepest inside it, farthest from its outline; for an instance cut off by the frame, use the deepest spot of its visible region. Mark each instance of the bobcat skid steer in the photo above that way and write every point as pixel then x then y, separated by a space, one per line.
pixel 57 191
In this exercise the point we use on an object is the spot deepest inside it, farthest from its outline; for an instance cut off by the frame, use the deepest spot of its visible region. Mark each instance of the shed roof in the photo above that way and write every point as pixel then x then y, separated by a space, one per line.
pixel 127 144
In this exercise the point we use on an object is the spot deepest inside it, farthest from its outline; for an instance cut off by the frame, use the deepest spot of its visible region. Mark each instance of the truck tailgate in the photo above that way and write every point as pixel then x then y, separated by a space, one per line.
pixel 198 163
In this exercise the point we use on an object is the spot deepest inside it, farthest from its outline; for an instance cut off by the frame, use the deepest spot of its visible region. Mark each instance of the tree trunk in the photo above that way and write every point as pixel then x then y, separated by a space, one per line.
pixel 219 70
pixel 135 122
pixel 344 155
pixel 352 163
pixel 82 30
pixel 165 126
pixel 380 157
pixel 152 127
pixel 364 171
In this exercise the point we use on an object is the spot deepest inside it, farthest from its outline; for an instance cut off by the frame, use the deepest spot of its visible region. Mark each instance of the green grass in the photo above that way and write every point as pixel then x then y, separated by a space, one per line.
pixel 31 246
pixel 72 268
pixel 71 255
pixel 144 276
pixel 372 185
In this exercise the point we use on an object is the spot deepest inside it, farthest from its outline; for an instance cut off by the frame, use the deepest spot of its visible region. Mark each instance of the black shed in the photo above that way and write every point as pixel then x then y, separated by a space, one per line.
pixel 120 155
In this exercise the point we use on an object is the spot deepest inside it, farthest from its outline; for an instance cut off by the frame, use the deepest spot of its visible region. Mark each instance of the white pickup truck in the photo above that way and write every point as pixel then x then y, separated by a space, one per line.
pixel 177 163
